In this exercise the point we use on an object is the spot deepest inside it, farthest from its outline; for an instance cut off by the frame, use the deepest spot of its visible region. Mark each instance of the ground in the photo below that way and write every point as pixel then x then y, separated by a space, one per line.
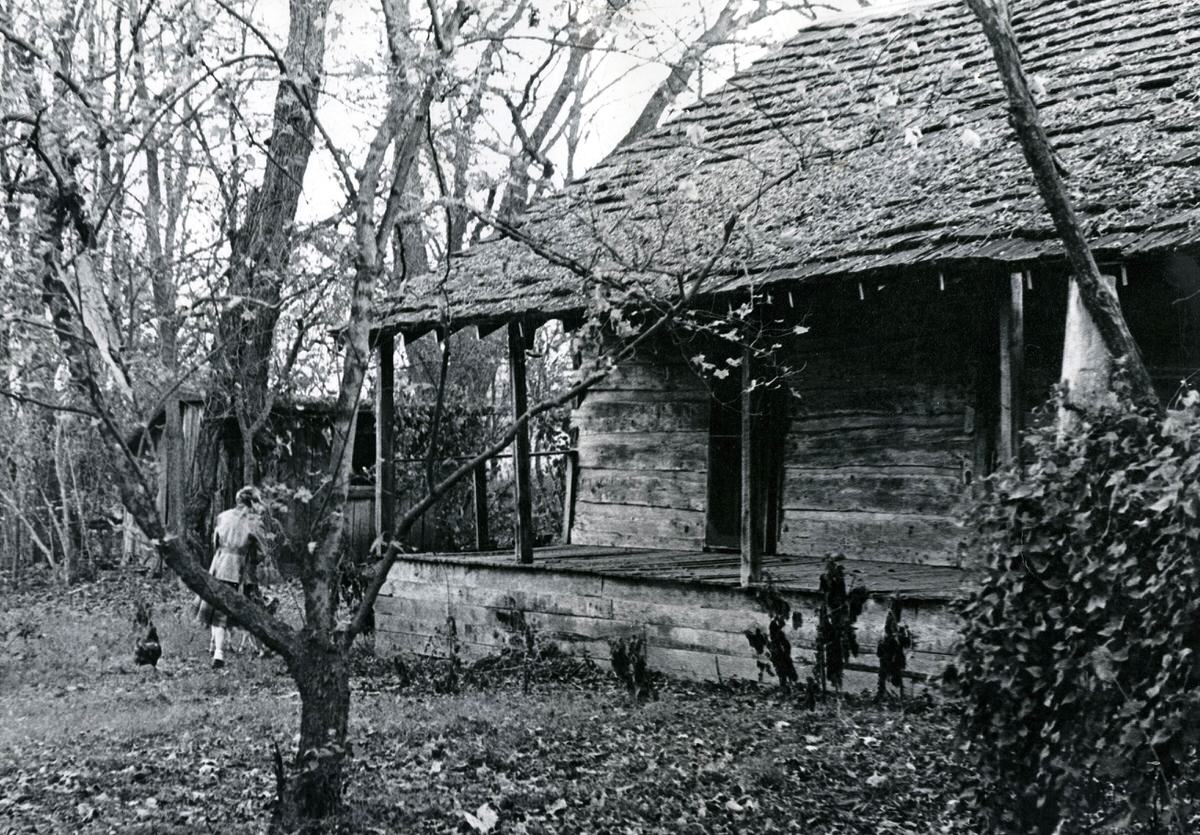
pixel 91 743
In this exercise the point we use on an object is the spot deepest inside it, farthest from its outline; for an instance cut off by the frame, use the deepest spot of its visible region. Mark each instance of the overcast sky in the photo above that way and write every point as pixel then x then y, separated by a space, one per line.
pixel 625 78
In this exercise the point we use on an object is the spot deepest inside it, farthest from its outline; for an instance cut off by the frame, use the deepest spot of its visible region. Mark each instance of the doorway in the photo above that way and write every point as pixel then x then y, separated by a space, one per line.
pixel 723 519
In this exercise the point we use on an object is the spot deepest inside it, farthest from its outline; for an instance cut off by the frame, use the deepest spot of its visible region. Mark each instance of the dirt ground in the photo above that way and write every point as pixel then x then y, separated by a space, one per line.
pixel 91 743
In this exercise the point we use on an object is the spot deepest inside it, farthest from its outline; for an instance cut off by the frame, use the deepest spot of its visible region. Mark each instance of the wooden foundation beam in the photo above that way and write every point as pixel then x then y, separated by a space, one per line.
pixel 1012 366
pixel 523 534
pixel 751 543
pixel 385 443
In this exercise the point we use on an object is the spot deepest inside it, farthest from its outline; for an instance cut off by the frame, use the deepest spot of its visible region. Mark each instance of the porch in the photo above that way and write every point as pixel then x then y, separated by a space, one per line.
pixel 689 605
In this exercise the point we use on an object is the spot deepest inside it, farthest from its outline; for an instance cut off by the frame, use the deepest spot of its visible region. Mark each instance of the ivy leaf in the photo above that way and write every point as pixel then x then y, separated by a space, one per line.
pixel 1102 664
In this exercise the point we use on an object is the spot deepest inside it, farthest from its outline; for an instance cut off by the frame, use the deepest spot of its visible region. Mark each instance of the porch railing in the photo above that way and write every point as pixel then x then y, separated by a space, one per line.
pixel 479 488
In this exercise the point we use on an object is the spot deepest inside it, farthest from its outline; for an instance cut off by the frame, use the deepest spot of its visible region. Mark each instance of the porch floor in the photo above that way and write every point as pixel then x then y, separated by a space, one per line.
pixel 917 582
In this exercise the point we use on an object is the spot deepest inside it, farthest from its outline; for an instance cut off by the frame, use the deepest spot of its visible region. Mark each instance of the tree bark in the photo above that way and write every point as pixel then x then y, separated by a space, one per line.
pixel 313 792
pixel 682 70
pixel 259 252
pixel 1097 296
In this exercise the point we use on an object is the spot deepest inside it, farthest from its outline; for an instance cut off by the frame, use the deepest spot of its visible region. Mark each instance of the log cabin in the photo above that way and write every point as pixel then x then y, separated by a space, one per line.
pixel 861 187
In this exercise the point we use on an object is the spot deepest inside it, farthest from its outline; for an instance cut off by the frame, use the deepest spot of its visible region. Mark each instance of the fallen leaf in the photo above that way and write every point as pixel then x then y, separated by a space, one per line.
pixel 484 819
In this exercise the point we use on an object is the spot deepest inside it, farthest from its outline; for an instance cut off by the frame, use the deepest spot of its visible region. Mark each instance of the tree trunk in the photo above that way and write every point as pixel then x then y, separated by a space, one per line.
pixel 1095 294
pixel 1086 364
pixel 260 248
pixel 313 793
pixel 682 70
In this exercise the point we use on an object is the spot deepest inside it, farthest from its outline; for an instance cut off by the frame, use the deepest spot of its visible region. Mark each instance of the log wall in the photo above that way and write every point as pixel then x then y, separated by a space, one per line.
pixel 692 630
pixel 880 443
pixel 643 453
pixel 881 438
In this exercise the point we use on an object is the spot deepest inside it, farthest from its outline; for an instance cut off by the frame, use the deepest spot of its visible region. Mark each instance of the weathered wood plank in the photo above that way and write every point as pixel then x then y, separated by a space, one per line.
pixel 385 445
pixel 899 537
pixel 878 445
pixel 634 415
pixel 644 450
pixel 872 491
pixel 523 534
pixel 479 499
pixel 570 489
pixel 447 573
pixel 593 570
pixel 886 421
pixel 651 376
pixel 681 489
pixel 691 628
pixel 618 396
pixel 636 525
pixel 586 536
pixel 884 399
pixel 1012 363
pixel 503 598
pixel 750 533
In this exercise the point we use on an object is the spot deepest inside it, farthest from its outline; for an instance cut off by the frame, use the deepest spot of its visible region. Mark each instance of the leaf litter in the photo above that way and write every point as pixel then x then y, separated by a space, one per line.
pixel 114 748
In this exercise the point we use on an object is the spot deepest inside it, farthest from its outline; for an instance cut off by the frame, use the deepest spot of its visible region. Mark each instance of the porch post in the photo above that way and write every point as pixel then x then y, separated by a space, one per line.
pixel 172 439
pixel 751 546
pixel 479 493
pixel 523 534
pixel 385 444
pixel 570 484
pixel 1012 363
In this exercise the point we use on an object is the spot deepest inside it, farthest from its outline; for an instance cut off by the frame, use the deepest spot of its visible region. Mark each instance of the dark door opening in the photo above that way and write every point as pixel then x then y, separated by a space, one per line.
pixel 723 528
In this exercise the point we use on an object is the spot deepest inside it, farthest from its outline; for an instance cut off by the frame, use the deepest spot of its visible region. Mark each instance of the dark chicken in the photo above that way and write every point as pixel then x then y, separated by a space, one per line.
pixel 148 650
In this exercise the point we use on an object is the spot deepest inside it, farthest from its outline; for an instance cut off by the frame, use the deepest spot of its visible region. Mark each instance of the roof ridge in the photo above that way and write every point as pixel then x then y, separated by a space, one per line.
pixel 869 14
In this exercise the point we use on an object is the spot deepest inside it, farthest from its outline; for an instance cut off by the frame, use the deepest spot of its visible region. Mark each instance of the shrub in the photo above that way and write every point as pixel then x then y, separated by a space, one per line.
pixel 1079 659
pixel 837 639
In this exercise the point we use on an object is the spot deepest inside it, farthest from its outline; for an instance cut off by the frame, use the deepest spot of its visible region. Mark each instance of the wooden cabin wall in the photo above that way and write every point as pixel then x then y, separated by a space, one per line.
pixel 881 440
pixel 1160 297
pixel 643 452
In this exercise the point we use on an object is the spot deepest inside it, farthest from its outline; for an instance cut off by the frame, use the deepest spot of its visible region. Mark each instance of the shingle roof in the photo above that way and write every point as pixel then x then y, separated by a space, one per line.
pixel 1120 81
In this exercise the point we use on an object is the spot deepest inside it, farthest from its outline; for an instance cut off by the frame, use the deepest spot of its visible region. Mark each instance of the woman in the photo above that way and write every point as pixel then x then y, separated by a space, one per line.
pixel 237 542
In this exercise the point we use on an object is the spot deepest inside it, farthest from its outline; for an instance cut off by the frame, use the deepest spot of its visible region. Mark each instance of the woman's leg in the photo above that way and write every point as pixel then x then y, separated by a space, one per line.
pixel 218 645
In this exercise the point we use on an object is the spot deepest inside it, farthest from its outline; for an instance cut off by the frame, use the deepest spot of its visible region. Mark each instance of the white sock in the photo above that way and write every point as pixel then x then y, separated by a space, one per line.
pixel 218 641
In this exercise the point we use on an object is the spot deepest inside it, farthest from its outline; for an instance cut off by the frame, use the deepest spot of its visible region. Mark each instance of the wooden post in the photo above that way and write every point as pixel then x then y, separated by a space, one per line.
pixel 479 493
pixel 523 534
pixel 385 440
pixel 570 485
pixel 1012 363
pixel 172 439
pixel 751 545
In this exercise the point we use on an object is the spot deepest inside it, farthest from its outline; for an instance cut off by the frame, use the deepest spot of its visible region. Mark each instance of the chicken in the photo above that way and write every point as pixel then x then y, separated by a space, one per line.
pixel 148 650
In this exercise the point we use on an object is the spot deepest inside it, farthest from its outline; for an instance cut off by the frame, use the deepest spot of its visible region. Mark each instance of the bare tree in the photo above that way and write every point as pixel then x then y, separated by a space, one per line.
pixel 260 246
pixel 69 245
pixel 730 20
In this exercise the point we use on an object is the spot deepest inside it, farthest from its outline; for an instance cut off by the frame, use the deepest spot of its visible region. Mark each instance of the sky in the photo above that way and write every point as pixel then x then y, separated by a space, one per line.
pixel 624 79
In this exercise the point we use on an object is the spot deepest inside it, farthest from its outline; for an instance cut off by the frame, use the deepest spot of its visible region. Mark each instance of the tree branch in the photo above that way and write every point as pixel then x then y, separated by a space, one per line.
pixel 1097 296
